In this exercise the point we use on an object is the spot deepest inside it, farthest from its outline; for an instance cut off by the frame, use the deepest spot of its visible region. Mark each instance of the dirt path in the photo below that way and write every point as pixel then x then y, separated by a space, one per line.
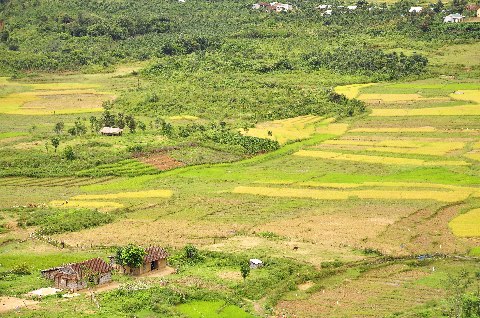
pixel 11 303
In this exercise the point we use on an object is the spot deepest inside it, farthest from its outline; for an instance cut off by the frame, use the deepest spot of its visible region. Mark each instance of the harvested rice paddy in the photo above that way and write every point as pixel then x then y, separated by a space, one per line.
pixel 351 91
pixel 410 146
pixel 467 224
pixel 395 129
pixel 284 130
pixel 101 205
pixel 376 159
pixel 463 110
pixel 126 195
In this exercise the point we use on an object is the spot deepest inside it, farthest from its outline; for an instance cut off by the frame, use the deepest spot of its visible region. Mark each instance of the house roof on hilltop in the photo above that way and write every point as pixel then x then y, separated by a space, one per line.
pixel 154 253
pixel 110 130
pixel 94 265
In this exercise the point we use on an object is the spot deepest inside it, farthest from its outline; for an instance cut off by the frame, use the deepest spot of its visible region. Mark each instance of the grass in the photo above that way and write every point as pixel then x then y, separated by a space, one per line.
pixel 467 224
pixel 12 134
pixel 213 309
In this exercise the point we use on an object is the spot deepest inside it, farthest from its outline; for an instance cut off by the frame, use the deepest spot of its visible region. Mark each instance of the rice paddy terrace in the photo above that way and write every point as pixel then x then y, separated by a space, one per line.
pixel 400 181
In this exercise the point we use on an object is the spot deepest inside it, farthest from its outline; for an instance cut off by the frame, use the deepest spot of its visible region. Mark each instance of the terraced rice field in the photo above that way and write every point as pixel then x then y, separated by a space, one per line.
pixel 126 195
pixel 403 194
pixel 52 98
pixel 52 182
pixel 351 91
pixel 402 146
pixel 284 130
pixel 467 224
pixel 128 168
pixel 100 205
pixel 377 159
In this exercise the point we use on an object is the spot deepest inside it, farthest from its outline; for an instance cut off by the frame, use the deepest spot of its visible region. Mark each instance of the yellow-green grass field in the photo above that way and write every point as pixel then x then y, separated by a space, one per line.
pixel 467 224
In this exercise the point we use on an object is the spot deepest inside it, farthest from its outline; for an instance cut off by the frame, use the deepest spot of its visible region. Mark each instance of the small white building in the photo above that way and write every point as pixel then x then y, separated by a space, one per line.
pixel 478 13
pixel 352 7
pixel 453 18
pixel 111 131
pixel 415 9
pixel 255 263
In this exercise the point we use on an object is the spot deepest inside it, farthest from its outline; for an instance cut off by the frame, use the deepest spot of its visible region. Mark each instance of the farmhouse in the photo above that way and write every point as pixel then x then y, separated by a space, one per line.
pixel 453 18
pixel 352 7
pixel 154 259
pixel 76 276
pixel 478 13
pixel 111 131
pixel 255 263
pixel 415 9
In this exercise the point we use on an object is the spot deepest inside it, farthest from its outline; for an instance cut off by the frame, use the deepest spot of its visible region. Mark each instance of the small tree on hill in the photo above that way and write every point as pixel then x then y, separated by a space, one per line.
pixel 59 127
pixel 245 270
pixel 69 153
pixel 55 142
pixel 130 255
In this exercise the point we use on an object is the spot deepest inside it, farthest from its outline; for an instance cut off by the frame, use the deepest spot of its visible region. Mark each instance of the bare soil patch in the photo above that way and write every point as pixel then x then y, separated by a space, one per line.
pixel 11 303
pixel 161 161
pixel 375 294
pixel 62 101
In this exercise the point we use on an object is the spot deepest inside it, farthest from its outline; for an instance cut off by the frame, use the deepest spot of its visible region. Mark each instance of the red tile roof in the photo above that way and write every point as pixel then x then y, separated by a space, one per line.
pixel 154 253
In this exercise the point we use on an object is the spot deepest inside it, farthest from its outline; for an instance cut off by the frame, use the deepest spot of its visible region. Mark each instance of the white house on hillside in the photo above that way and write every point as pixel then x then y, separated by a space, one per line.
pixel 415 9
pixel 453 18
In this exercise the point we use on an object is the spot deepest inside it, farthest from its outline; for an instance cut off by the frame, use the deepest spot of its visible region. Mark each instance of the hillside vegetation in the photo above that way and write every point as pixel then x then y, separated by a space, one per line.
pixel 342 150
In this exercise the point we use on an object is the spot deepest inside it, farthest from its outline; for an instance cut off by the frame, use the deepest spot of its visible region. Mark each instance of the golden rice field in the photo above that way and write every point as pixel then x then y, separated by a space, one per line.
pixel 351 91
pixel 101 205
pixel 410 146
pixel 395 129
pixel 462 110
pixel 49 98
pixel 391 98
pixel 467 224
pixel 441 196
pixel 376 159
pixel 126 195
pixel 284 130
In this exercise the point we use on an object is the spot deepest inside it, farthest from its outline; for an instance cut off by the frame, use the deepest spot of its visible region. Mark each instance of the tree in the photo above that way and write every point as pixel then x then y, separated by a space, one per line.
pixel 108 119
pixel 55 142
pixel 94 124
pixel 59 127
pixel 69 153
pixel 131 123
pixel 130 255
pixel 191 252
pixel 245 270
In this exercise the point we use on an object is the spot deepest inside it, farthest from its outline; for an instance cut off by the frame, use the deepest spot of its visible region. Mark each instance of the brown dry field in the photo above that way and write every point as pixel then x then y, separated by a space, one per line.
pixel 68 101
pixel 376 293
pixel 161 161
